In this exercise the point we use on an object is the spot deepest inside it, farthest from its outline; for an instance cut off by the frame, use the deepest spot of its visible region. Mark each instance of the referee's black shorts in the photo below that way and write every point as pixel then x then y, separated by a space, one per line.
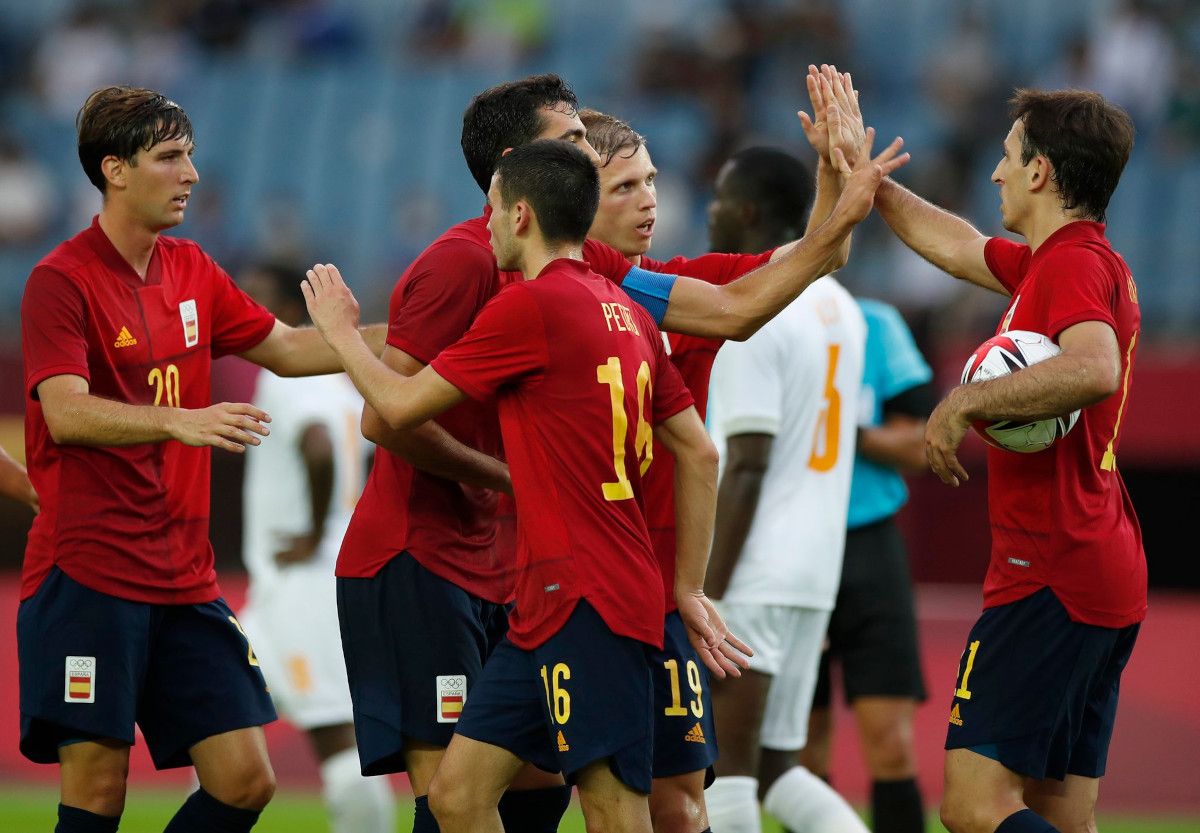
pixel 873 628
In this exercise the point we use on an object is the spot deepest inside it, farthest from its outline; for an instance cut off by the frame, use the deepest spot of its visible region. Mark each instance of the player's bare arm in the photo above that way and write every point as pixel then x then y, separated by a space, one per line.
pixel 300 351
pixel 402 401
pixel 316 450
pixel 1087 371
pixel 430 447
pixel 695 504
pixel 14 482
pixel 746 459
pixel 75 417
pixel 737 310
pixel 898 443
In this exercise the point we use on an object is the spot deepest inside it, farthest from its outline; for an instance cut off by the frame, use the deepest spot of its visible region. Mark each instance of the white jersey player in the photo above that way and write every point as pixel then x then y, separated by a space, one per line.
pixel 299 491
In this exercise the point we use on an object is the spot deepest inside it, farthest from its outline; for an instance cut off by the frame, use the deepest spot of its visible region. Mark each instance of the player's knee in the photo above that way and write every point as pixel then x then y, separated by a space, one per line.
pixel 450 800
pixel 99 787
pixel 890 753
pixel 959 816
pixel 676 810
pixel 252 788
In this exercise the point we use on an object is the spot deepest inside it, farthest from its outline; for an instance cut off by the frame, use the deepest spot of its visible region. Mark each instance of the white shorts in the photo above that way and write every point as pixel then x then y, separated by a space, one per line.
pixel 787 645
pixel 292 625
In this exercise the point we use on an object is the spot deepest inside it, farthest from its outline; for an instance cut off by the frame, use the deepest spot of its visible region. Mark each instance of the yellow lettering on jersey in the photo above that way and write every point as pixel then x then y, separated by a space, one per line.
pixel 619 317
pixel 1109 461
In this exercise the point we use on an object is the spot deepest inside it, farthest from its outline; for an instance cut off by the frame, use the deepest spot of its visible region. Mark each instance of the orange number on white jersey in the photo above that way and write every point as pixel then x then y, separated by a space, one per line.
pixel 829 423
pixel 643 440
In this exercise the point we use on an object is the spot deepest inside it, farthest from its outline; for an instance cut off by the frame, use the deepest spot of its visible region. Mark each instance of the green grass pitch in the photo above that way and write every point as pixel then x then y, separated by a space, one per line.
pixel 32 810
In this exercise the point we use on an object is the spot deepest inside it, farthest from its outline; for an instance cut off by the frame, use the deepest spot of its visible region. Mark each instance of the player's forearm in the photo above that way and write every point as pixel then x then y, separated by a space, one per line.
pixel 944 239
pixel 737 501
pixel 432 449
pixel 1048 389
pixel 829 188
pixel 737 310
pixel 303 352
pixel 319 468
pixel 14 481
pixel 84 419
pixel 899 446
pixel 383 388
pixel 695 509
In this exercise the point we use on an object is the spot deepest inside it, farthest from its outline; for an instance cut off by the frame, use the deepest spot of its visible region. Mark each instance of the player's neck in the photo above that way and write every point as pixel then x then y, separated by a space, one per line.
pixel 132 240
pixel 1041 226
pixel 538 255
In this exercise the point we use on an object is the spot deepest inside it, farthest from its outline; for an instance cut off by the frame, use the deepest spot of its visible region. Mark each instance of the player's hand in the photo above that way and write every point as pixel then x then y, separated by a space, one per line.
pixel 844 122
pixel 722 652
pixel 944 433
pixel 229 425
pixel 297 549
pixel 331 304
pixel 816 127
pixel 861 180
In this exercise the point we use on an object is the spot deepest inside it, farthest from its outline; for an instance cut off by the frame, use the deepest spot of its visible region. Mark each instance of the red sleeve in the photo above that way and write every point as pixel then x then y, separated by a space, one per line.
pixel 1007 260
pixel 439 297
pixel 1085 289
pixel 239 322
pixel 670 394
pixel 713 268
pixel 507 342
pixel 53 328
pixel 607 261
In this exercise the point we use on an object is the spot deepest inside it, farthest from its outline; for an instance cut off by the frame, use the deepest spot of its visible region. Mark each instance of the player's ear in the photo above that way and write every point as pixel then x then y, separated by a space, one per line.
pixel 506 151
pixel 113 170
pixel 522 217
pixel 1041 173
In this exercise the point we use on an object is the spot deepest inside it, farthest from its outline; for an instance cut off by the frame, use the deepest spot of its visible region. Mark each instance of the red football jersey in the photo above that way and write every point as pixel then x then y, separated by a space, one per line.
pixel 448 527
pixel 580 375
pixel 693 357
pixel 1088 548
pixel 130 521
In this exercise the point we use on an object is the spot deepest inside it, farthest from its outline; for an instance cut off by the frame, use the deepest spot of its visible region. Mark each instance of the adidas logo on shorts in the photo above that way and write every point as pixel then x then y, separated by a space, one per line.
pixel 695 735
pixel 563 746
pixel 955 717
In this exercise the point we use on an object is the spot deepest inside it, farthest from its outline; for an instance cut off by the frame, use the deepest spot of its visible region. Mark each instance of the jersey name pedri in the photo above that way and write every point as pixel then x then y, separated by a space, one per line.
pixel 130 521
pixel 797 379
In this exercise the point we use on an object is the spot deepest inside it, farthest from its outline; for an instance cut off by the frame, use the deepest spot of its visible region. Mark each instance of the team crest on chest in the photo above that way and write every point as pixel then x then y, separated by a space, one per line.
pixel 191 322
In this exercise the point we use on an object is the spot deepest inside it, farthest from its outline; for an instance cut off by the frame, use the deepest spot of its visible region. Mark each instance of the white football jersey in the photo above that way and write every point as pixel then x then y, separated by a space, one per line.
pixel 276 499
pixel 797 379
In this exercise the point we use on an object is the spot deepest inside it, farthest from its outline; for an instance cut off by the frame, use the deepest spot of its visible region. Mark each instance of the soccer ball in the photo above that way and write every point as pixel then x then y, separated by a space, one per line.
pixel 1004 354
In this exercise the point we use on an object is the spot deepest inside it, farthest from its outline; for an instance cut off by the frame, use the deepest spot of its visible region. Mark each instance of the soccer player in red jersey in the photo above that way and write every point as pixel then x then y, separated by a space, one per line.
pixel 422 575
pixel 14 482
pixel 584 388
pixel 121 619
pixel 1033 712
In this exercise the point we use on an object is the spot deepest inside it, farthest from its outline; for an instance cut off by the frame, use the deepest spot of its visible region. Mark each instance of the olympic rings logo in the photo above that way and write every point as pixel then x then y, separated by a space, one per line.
pixel 80 663
pixel 457 682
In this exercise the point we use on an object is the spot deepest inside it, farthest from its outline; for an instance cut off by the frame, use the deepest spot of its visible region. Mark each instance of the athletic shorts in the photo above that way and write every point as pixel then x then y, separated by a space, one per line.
pixel 293 622
pixel 582 696
pixel 685 739
pixel 787 644
pixel 873 628
pixel 1038 692
pixel 93 665
pixel 414 644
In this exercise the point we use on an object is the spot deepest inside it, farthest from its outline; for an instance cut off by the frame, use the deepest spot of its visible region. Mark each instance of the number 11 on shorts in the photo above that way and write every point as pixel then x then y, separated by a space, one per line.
pixel 963 692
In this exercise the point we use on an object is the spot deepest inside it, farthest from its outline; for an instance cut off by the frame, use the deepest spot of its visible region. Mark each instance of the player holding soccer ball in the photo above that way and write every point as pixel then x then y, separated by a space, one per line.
pixel 1033 712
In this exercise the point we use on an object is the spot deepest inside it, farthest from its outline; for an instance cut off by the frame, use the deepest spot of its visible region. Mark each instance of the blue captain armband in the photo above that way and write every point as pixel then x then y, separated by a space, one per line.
pixel 651 290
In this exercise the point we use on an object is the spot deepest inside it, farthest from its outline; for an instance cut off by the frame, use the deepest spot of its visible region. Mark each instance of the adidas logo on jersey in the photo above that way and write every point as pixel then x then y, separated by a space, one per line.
pixel 563 746
pixel 125 338
pixel 695 735
pixel 955 717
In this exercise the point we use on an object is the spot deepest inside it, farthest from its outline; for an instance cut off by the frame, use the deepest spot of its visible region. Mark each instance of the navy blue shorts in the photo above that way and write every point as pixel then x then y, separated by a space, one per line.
pixel 1038 692
pixel 92 665
pixel 580 697
pixel 685 739
pixel 414 644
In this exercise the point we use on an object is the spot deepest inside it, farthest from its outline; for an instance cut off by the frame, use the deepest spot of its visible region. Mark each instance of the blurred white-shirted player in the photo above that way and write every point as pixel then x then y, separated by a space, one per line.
pixel 299 493
pixel 784 403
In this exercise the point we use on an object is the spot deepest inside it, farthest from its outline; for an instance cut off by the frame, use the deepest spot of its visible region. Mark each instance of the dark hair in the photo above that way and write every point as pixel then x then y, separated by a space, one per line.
pixel 777 182
pixel 285 277
pixel 507 116
pixel 610 136
pixel 1086 139
pixel 559 181
pixel 120 121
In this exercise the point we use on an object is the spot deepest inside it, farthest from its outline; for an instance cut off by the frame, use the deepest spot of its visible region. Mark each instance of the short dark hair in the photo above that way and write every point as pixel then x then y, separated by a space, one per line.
pixel 507 116
pixel 120 121
pixel 1086 139
pixel 777 182
pixel 559 181
pixel 610 136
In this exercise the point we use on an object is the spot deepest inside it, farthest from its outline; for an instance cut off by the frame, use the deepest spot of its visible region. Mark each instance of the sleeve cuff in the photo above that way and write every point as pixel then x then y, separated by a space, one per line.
pixel 750 425
pixel 39 376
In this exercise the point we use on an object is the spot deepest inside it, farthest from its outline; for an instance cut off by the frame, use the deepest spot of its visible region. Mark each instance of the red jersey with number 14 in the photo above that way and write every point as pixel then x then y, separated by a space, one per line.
pixel 1061 518
pixel 580 377
pixel 130 521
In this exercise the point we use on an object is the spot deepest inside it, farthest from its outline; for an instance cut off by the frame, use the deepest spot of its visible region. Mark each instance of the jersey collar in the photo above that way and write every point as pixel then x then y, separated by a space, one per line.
pixel 119 266
pixel 1073 232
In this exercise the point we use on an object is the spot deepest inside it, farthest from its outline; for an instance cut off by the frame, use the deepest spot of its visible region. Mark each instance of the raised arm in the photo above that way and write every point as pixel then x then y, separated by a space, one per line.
pixel 737 310
pixel 75 417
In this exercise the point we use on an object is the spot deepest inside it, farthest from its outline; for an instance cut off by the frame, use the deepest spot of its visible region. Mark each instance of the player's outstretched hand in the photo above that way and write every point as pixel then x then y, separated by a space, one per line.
pixel 827 86
pixel 720 650
pixel 229 425
pixel 944 433
pixel 861 180
pixel 331 304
